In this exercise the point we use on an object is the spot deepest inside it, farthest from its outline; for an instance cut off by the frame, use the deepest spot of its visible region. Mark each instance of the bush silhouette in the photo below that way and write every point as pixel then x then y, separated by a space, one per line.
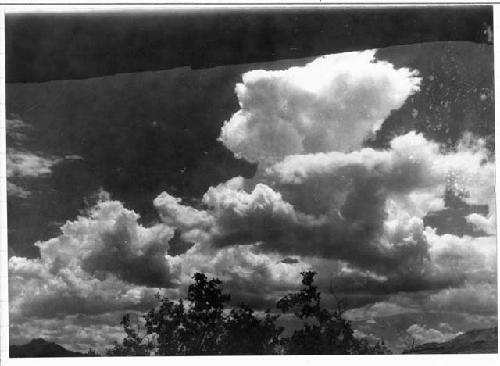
pixel 323 332
pixel 199 325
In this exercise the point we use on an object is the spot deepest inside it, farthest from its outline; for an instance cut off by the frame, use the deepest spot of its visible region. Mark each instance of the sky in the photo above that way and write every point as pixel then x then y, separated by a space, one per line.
pixel 120 186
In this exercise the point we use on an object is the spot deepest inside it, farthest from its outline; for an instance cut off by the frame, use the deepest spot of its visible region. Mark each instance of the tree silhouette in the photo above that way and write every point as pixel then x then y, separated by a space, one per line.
pixel 324 332
pixel 199 325
pixel 248 335
pixel 194 330
pixel 132 344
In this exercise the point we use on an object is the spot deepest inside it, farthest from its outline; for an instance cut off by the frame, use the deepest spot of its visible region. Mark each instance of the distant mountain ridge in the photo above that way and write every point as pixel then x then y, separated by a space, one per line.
pixel 39 347
pixel 474 341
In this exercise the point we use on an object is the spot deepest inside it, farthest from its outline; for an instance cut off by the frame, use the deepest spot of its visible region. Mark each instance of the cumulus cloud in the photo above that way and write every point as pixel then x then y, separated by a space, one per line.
pixel 459 276
pixel 36 293
pixel 101 261
pixel 330 104
pixel 110 241
pixel 105 260
pixel 468 258
pixel 364 207
pixel 412 163
pixel 423 334
pixel 174 213
pixel 248 274
pixel 259 216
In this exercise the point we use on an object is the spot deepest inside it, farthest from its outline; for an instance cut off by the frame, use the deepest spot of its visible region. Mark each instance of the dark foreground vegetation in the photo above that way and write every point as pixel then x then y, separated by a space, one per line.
pixel 201 324
pixel 198 325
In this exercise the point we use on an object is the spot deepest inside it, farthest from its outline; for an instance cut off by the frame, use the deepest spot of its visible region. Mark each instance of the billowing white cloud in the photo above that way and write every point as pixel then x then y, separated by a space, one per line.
pixel 259 216
pixel 364 207
pixel 106 261
pixel 468 258
pixel 413 164
pixel 102 261
pixel 422 334
pixel 330 104
pixel 173 213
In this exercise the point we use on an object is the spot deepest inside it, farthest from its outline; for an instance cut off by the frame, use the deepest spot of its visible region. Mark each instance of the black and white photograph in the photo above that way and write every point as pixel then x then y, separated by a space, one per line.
pixel 250 180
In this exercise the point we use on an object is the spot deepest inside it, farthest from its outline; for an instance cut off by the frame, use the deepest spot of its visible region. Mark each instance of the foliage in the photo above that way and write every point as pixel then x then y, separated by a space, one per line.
pixel 248 335
pixel 200 325
pixel 195 330
pixel 132 344
pixel 324 332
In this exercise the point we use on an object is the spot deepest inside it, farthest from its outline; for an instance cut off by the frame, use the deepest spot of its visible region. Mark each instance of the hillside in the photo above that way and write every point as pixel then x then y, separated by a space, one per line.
pixel 474 341
pixel 41 348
